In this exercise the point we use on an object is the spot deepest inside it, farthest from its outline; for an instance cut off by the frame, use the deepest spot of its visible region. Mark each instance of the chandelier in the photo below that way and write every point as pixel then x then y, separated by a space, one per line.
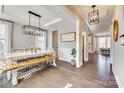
pixel 93 16
pixel 32 30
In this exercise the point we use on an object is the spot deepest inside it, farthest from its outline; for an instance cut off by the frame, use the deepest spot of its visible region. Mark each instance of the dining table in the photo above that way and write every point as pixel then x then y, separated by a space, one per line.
pixel 13 58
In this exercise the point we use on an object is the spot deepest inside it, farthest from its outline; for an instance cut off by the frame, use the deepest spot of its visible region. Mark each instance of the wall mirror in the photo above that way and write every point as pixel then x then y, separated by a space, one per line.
pixel 116 30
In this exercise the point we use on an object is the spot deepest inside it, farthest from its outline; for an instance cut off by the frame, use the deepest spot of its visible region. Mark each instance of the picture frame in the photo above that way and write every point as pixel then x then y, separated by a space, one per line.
pixel 68 37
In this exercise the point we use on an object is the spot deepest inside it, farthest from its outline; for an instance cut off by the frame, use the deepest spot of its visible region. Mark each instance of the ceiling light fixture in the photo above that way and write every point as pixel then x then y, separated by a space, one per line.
pixel 32 30
pixel 93 16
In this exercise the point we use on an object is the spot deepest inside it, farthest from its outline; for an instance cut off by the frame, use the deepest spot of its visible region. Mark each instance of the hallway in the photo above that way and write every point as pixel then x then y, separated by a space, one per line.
pixel 100 67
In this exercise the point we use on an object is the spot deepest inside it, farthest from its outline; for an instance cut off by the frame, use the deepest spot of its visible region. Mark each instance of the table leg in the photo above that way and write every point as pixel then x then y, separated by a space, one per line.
pixel 8 75
pixel 14 77
pixel 8 72
pixel 54 63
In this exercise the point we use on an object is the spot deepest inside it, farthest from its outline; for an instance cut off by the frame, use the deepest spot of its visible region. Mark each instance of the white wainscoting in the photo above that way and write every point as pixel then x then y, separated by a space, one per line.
pixel 117 78
pixel 64 54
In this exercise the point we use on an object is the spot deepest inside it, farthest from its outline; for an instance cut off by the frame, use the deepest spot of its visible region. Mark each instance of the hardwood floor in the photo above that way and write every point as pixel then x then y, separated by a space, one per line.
pixel 96 73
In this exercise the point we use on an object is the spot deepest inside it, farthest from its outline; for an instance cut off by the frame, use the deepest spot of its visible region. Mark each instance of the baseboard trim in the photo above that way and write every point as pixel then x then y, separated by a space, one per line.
pixel 117 79
pixel 64 61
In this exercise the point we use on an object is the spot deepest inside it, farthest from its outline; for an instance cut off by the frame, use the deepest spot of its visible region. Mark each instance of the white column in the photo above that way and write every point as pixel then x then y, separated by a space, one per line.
pixel 85 46
pixel 79 57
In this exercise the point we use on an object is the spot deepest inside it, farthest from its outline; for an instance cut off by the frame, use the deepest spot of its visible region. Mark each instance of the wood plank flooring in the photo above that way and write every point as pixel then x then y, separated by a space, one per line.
pixel 96 73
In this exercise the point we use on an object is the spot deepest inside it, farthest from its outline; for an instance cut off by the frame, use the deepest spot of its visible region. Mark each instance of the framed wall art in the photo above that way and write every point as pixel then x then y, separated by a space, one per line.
pixel 68 37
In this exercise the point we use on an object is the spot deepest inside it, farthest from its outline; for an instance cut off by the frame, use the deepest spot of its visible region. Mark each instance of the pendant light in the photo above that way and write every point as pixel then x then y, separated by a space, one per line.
pixel 93 16
pixel 32 30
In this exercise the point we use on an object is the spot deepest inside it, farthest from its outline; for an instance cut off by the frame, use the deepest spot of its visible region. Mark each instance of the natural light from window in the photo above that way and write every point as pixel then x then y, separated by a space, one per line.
pixel 2 39
pixel 104 42
pixel 42 41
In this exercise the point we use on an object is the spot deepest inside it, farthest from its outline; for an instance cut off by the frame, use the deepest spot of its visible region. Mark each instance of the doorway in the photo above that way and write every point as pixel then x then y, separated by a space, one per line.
pixel 55 42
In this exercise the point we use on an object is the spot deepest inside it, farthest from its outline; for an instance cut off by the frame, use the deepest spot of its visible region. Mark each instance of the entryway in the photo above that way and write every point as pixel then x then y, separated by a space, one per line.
pixel 55 41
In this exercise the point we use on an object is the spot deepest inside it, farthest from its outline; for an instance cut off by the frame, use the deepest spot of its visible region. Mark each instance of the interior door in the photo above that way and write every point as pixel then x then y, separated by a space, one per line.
pixel 55 41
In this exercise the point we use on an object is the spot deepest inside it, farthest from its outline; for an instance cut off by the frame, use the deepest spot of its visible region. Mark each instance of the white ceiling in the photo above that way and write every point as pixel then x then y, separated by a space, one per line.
pixel 57 17
pixel 53 17
pixel 105 13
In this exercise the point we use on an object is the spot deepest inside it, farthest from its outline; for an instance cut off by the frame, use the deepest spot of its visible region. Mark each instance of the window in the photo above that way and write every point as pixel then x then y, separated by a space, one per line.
pixel 5 37
pixel 2 39
pixel 41 41
pixel 104 42
pixel 108 42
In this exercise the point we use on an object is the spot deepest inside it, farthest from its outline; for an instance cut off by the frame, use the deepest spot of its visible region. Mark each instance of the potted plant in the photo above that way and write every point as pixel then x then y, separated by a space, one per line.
pixel 73 53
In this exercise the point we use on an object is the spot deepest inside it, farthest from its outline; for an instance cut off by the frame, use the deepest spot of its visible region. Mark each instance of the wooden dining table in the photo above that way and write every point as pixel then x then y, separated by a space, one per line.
pixel 13 58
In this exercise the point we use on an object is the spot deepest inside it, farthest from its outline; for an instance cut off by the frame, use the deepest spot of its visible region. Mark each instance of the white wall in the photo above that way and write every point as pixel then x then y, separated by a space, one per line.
pixel 111 44
pixel 118 49
pixel 64 48
pixel 20 40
